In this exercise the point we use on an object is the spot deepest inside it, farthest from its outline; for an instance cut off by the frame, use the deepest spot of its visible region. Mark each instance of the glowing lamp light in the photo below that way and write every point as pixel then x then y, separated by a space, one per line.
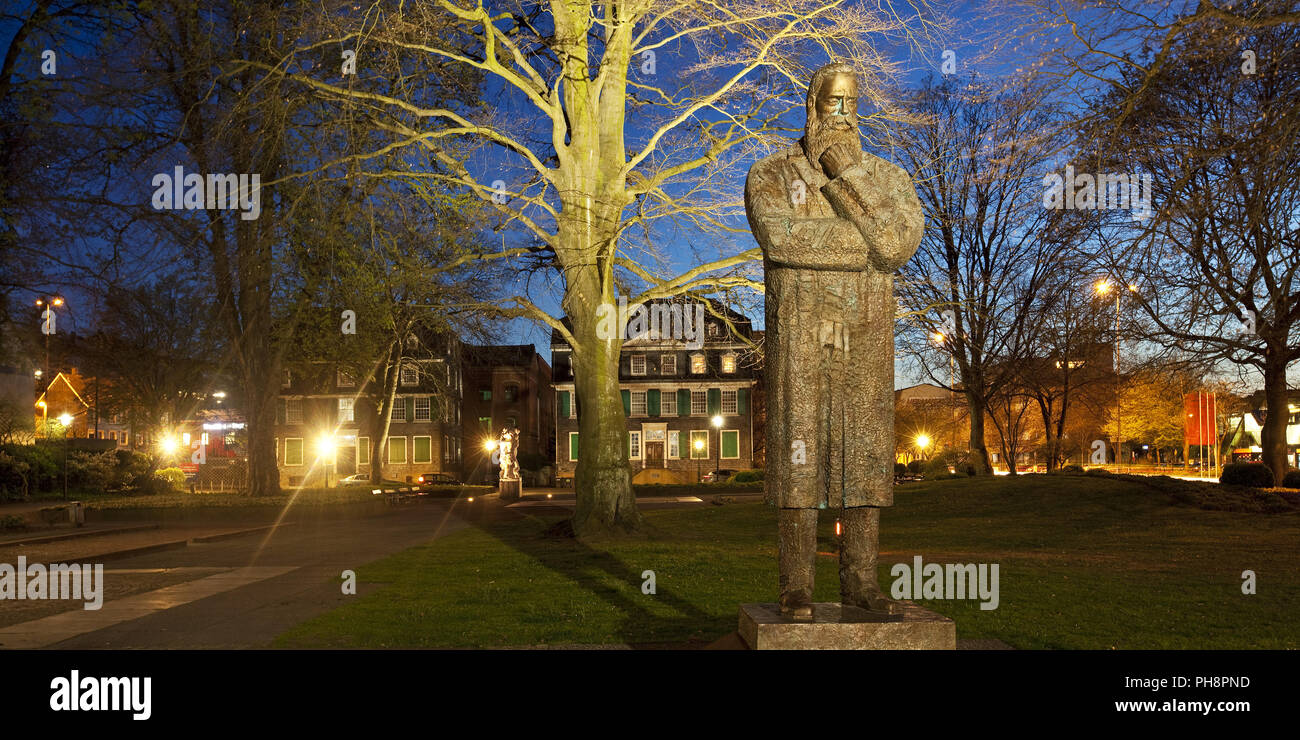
pixel 169 445
pixel 325 445
pixel 699 444
pixel 65 419
pixel 839 528
pixel 490 445
pixel 717 421
pixel 1102 287
pixel 923 441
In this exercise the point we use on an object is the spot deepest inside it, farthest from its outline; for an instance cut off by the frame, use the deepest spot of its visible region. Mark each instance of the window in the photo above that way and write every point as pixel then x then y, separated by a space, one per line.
pixel 512 393
pixel 699 403
pixel 397 450
pixel 287 380
pixel 363 450
pixel 573 446
pixel 293 411
pixel 485 395
pixel 399 410
pixel 485 422
pixel 293 451
pixel 422 409
pixel 668 402
pixel 347 410
pixel 421 449
pixel 713 330
pixel 345 379
pixel 112 435
pixel 638 403
pixel 668 364
pixel 638 364
pixel 446 449
pixel 728 363
pixel 697 364
pixel 410 374
pixel 204 439
pixel 730 444
pixel 699 444
pixel 674 445
pixel 123 437
pixel 634 445
pixel 728 402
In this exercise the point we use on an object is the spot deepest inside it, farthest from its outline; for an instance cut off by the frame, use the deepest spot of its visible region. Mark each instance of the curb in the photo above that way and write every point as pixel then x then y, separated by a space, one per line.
pixel 161 546
pixel 75 535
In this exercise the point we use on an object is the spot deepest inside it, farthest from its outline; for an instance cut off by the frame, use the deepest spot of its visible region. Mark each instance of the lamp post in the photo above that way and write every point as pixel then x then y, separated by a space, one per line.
pixel 1102 287
pixel 50 303
pixel 325 452
pixel 717 424
pixel 699 449
pixel 66 420
pixel 941 340
pixel 922 442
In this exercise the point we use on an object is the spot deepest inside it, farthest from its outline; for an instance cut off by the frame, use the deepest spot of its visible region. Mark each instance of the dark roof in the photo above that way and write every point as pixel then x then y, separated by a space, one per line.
pixel 740 320
pixel 519 355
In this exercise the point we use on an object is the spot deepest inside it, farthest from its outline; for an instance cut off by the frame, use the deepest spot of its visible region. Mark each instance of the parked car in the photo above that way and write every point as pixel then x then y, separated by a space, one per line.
pixel 439 479
pixel 360 479
pixel 718 476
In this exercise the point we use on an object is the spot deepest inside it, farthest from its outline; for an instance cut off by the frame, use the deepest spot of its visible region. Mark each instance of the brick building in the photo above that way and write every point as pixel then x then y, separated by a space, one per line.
pixel 674 384
pixel 507 386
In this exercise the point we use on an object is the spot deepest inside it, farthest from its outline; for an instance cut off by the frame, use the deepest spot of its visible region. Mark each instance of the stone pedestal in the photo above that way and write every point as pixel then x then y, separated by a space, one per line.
pixel 511 490
pixel 836 627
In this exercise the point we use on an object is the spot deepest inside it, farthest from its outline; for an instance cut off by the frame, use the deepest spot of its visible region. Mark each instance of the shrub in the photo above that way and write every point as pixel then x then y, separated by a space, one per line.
pixel 45 467
pixel 900 469
pixel 1071 469
pixel 93 472
pixel 134 470
pixel 938 467
pixel 173 477
pixel 747 476
pixel 1254 475
pixel 1098 471
pixel 14 475
pixel 12 522
pixel 916 467
pixel 1291 479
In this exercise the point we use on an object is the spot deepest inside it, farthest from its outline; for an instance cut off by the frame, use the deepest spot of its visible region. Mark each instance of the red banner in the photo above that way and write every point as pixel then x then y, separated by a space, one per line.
pixel 1199 419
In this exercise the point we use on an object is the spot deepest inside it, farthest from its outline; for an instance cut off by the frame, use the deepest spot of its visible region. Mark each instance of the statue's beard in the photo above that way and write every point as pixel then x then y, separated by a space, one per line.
pixel 820 135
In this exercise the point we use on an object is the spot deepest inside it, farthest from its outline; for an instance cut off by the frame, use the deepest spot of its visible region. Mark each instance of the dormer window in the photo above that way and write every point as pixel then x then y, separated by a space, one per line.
pixel 345 379
pixel 638 364
pixel 410 375
pixel 728 363
pixel 697 365
pixel 668 364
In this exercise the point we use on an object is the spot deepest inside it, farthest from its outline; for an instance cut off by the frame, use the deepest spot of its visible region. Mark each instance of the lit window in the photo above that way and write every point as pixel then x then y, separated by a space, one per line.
pixel 422 412
pixel 485 395
pixel 668 402
pixel 397 451
pixel 363 450
pixel 729 402
pixel 634 443
pixel 638 364
pixel 638 403
pixel 421 449
pixel 699 403
pixel 293 451
pixel 293 411
pixel 668 364
pixel 699 444
pixel 410 374
pixel 728 363
pixel 347 410
pixel 399 410
pixel 697 364
pixel 674 447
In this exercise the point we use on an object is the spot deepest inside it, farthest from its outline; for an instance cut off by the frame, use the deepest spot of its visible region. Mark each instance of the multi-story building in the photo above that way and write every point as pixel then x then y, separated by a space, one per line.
pixel 507 386
pixel 328 424
pixel 686 394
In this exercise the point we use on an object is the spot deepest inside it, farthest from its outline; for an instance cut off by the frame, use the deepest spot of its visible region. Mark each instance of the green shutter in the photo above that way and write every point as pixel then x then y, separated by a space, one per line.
pixel 715 401
pixel 280 411
pixel 730 443
pixel 627 402
pixel 564 404
pixel 742 401
pixel 410 408
pixel 683 402
pixel 573 445
pixel 652 401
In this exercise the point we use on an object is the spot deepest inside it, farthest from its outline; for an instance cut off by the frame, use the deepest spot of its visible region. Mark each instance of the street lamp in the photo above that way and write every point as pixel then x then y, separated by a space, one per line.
pixel 717 424
pixel 699 449
pixel 325 450
pixel 922 442
pixel 940 340
pixel 1103 287
pixel 50 304
pixel 66 420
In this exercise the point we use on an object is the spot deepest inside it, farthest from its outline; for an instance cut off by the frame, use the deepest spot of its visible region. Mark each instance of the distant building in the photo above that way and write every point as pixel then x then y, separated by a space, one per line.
pixel 672 387
pixel 326 423
pixel 507 386
pixel 69 393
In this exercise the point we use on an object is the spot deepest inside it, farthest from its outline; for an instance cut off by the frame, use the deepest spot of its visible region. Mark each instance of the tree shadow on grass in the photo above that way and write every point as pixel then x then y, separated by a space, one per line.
pixel 590 568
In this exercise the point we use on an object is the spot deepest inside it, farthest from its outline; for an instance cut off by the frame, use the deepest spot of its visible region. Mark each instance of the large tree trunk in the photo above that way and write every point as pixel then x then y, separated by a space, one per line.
pixel 978 451
pixel 1273 431
pixel 602 482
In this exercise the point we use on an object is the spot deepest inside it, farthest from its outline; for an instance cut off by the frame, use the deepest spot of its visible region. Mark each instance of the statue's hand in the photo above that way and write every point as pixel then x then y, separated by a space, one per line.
pixel 839 157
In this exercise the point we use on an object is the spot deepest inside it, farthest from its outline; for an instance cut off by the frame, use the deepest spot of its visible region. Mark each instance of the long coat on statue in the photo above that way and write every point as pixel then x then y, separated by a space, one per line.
pixel 830 249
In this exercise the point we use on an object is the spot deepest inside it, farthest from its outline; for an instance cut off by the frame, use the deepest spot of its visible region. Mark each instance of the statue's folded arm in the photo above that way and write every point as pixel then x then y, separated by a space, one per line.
pixel 881 202
pixel 809 243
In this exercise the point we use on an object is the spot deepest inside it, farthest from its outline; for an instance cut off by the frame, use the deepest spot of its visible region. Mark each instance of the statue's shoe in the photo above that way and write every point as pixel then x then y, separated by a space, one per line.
pixel 797 606
pixel 873 601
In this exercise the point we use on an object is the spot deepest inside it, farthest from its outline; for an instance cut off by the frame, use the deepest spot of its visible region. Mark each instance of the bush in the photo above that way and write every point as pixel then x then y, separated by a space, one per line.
pixel 14 476
pixel 916 467
pixel 747 476
pixel 1098 472
pixel 900 469
pixel 938 469
pixel 1291 479
pixel 12 522
pixel 93 472
pixel 173 477
pixel 134 471
pixel 1254 475
pixel 44 466
pixel 1071 469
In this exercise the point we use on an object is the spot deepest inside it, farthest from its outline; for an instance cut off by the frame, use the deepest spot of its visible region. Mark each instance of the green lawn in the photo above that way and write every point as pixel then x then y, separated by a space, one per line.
pixel 1085 562
pixel 304 497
